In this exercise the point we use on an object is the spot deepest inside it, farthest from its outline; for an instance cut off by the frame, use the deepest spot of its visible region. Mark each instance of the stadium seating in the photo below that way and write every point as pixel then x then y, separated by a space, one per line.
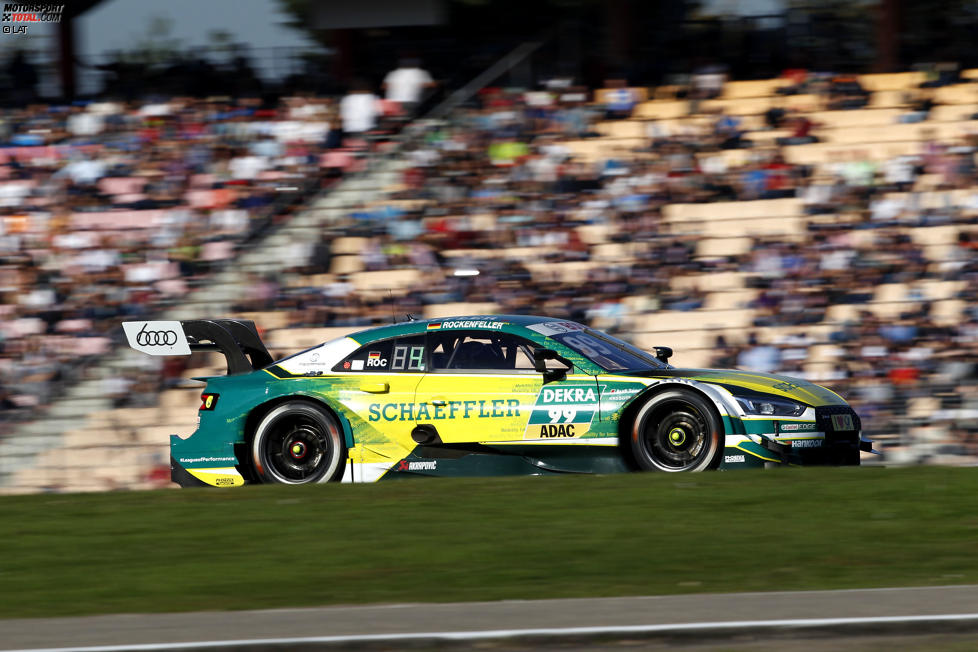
pixel 895 81
pixel 753 88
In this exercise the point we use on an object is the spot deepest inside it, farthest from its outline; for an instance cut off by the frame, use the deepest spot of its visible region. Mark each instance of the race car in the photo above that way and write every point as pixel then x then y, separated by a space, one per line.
pixel 480 396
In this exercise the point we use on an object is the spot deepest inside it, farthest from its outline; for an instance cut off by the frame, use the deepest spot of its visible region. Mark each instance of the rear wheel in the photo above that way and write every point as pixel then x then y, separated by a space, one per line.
pixel 298 443
pixel 677 431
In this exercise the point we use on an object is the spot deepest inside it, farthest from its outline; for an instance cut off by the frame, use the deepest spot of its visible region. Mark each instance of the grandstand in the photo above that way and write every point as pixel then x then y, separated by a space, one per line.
pixel 672 243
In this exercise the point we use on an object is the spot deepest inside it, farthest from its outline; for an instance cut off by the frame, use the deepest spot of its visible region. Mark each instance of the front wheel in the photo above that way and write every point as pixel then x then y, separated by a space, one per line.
pixel 677 431
pixel 298 443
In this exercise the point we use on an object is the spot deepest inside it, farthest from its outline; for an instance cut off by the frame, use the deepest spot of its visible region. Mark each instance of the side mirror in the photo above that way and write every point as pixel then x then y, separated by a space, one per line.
pixel 663 353
pixel 540 358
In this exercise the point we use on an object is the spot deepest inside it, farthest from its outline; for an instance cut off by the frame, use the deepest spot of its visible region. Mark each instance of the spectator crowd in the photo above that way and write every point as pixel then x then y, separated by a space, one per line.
pixel 116 210
pixel 499 189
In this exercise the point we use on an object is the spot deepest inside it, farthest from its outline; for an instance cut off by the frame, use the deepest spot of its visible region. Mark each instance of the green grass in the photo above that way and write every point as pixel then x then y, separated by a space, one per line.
pixel 487 539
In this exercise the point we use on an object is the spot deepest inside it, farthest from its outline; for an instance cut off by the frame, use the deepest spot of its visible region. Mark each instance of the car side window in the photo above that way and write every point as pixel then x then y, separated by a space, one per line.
pixel 480 351
pixel 402 354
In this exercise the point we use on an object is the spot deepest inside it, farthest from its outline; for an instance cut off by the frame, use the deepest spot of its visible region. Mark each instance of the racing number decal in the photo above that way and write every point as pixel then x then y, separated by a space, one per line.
pixel 562 412
pixel 556 414
pixel 415 361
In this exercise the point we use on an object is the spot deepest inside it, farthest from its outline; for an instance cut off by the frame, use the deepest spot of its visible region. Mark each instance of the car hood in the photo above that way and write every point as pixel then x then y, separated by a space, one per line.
pixel 747 382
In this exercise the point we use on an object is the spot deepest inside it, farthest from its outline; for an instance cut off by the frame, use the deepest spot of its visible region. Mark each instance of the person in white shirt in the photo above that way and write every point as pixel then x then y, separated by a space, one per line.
pixel 359 110
pixel 406 83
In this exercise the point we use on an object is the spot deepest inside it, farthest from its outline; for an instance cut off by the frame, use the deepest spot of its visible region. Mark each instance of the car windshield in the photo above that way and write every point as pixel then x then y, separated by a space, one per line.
pixel 610 353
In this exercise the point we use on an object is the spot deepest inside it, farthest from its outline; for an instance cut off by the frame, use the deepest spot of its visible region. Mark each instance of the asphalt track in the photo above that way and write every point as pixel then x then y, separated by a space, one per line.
pixel 878 611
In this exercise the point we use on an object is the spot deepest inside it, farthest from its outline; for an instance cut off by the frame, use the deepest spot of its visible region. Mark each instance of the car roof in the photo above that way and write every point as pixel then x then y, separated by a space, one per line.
pixel 509 323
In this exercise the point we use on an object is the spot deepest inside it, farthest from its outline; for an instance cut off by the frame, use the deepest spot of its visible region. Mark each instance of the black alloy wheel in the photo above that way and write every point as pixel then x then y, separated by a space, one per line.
pixel 676 431
pixel 298 443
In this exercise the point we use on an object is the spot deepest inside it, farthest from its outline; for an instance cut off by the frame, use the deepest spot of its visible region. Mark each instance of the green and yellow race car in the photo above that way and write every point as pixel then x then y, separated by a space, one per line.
pixel 483 395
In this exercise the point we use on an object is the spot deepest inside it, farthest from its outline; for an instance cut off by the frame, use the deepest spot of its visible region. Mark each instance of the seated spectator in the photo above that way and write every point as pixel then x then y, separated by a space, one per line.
pixel 797 79
pixel 845 93
pixel 779 181
pixel 774 117
pixel 684 300
pixel 753 182
pixel 940 74
pixel 619 100
pixel 801 131
pixel 707 82
pixel 900 172
pixel 573 117
pixel 920 108
pixel 729 133
pixel 819 195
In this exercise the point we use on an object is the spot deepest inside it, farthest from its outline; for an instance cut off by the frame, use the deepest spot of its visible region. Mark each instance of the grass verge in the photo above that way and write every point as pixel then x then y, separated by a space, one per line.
pixel 486 539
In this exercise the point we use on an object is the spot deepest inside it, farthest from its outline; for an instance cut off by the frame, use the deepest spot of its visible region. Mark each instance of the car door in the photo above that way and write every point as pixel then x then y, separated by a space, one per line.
pixel 483 387
pixel 384 377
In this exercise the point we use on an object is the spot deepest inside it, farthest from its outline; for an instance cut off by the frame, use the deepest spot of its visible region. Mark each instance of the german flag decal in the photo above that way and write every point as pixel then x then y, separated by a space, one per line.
pixel 435 326
pixel 374 355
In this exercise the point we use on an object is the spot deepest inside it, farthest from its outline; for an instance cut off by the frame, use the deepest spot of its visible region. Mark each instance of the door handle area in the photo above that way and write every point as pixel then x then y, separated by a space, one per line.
pixel 438 400
pixel 375 388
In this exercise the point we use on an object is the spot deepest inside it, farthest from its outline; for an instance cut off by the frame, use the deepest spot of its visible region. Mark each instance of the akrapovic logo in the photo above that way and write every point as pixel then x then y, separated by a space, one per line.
pixel 428 465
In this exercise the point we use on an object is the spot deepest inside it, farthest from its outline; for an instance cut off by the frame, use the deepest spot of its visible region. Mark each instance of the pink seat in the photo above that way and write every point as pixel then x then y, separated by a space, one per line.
pixel 121 185
pixel 201 180
pixel 172 287
pixel 73 325
pixel 128 198
pixel 336 159
pixel 218 250
pixel 200 198
pixel 105 220
pixel 150 272
pixel 90 345
pixel 24 326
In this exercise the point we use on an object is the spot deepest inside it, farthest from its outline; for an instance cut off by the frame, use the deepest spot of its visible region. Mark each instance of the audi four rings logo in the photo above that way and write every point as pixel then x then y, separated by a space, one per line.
pixel 156 338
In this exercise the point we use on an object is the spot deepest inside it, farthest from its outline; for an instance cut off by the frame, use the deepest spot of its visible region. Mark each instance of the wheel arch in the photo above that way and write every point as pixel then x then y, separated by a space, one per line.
pixel 258 412
pixel 714 399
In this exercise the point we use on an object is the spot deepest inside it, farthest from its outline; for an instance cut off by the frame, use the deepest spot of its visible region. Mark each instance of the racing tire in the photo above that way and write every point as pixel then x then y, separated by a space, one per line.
pixel 677 431
pixel 298 443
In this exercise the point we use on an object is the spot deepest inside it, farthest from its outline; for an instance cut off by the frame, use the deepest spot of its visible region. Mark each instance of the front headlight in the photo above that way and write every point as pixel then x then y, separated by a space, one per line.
pixel 772 407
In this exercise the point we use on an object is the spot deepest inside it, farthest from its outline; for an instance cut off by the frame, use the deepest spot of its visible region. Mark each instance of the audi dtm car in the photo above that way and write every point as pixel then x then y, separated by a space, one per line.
pixel 483 395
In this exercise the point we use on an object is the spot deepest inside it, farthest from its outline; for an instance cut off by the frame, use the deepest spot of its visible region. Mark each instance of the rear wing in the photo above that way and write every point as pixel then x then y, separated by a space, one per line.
pixel 236 339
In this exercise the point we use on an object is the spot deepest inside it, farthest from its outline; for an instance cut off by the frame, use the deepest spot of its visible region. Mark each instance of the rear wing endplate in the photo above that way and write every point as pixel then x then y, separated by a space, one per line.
pixel 236 339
